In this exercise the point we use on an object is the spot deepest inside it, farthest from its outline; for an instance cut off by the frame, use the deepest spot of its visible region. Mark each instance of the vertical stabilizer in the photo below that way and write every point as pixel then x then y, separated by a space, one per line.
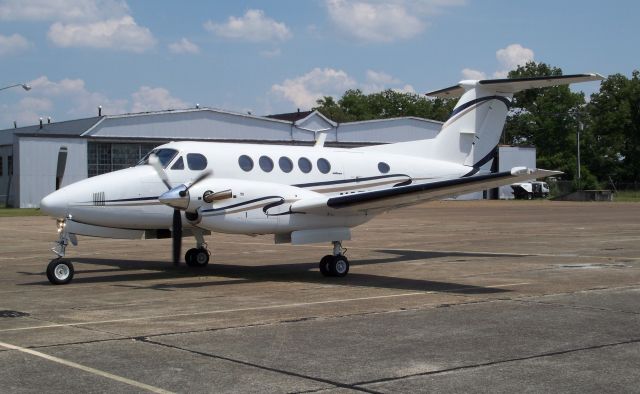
pixel 473 130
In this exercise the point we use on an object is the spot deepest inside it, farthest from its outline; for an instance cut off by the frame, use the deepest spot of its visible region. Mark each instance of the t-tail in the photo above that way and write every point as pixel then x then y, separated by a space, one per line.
pixel 472 132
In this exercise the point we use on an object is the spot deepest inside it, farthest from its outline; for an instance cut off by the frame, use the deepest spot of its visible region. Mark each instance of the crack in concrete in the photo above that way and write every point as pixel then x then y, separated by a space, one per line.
pixel 498 362
pixel 258 366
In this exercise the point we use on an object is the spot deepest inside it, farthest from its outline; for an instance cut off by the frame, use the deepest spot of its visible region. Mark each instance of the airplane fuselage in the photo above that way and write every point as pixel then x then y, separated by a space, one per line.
pixel 263 181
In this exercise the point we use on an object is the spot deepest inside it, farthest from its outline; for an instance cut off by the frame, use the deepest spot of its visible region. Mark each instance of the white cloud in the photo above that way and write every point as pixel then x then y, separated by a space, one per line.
pixel 70 98
pixel 14 43
pixel 303 91
pixel 377 22
pixel 508 58
pixel 469 73
pixel 120 34
pixel 253 26
pixel 511 57
pixel 184 46
pixel 377 81
pixel 62 10
pixel 385 21
pixel 155 99
pixel 73 92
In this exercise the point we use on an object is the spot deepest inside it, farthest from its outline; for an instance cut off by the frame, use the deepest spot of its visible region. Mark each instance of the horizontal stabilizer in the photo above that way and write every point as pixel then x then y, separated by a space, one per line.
pixel 510 86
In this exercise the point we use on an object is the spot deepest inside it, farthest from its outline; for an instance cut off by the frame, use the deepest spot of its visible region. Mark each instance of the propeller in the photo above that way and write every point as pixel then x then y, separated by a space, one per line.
pixel 178 199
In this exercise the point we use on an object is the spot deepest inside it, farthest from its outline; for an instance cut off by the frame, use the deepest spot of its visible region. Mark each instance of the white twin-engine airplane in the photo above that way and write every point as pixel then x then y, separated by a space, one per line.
pixel 300 194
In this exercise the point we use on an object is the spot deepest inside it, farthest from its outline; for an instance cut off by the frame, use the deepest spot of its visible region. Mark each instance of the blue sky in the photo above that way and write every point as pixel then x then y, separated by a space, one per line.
pixel 277 56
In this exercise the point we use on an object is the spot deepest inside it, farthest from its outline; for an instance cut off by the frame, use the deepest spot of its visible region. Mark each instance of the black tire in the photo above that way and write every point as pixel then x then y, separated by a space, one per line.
pixel 325 262
pixel 60 272
pixel 339 266
pixel 529 196
pixel 197 257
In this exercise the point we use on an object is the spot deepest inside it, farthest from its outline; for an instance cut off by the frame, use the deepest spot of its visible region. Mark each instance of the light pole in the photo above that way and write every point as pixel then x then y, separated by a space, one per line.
pixel 580 129
pixel 24 86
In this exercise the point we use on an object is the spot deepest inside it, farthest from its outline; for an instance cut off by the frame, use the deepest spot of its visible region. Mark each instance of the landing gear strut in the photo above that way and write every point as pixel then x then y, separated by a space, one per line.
pixel 59 271
pixel 335 264
pixel 198 256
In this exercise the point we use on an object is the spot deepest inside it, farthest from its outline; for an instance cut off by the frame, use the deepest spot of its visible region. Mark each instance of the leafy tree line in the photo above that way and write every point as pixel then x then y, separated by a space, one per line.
pixel 545 118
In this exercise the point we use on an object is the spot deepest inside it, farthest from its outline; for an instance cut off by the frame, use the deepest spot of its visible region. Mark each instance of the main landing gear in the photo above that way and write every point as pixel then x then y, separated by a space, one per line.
pixel 335 264
pixel 198 256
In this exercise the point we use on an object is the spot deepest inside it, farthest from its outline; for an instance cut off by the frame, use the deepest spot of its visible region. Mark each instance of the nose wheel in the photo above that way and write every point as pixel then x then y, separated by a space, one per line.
pixel 60 272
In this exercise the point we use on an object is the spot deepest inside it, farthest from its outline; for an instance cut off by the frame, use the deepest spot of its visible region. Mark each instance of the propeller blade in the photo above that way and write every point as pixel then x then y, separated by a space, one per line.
pixel 154 161
pixel 204 175
pixel 176 235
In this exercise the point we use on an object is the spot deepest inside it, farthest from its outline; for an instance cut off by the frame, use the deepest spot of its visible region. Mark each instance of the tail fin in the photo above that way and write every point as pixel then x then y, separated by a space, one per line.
pixel 472 132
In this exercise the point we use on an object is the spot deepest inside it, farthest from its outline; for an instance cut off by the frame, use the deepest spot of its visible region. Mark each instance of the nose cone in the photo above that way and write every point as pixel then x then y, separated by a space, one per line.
pixel 55 204
pixel 177 198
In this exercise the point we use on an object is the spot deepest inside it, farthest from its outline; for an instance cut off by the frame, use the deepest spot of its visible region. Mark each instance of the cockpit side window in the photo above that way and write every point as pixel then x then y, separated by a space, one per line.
pixel 164 155
pixel 178 165
pixel 196 161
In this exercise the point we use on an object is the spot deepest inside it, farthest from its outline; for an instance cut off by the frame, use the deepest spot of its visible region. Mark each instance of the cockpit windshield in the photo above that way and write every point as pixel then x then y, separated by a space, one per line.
pixel 164 155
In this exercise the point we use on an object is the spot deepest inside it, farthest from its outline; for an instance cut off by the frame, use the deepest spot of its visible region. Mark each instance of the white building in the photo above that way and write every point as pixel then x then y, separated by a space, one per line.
pixel 36 160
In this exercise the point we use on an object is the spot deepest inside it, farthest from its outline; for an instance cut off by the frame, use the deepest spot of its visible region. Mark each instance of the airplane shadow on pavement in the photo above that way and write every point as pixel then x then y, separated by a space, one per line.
pixel 120 272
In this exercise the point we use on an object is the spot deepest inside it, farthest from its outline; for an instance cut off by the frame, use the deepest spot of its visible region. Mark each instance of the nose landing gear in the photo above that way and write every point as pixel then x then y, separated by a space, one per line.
pixel 335 264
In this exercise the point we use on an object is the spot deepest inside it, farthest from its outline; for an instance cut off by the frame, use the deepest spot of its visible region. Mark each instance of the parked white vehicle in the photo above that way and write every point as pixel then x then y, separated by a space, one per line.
pixel 530 190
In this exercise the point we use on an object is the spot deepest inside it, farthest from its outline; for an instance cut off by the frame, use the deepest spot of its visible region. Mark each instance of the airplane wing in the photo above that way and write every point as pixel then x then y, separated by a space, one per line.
pixel 395 197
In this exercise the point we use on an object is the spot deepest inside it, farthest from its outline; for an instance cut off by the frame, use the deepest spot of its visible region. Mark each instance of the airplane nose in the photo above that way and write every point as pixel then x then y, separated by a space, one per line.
pixel 54 205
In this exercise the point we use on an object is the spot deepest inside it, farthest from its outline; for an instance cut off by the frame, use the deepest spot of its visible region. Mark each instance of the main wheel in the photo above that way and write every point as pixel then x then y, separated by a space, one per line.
pixel 324 265
pixel 197 257
pixel 339 266
pixel 60 272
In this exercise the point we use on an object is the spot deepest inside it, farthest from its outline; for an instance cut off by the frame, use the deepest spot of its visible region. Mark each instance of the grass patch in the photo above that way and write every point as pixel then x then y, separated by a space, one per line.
pixel 627 196
pixel 16 212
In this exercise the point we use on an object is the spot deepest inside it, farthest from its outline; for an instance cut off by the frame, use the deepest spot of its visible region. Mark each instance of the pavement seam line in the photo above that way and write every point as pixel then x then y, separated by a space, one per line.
pixel 265 307
pixel 253 365
pixel 579 307
pixel 498 362
pixel 94 371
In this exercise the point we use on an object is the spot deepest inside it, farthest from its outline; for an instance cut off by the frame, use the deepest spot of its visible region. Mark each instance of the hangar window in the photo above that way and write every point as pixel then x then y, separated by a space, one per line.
pixel 324 166
pixel 245 163
pixel 266 163
pixel 178 165
pixel 9 165
pixel 1 169
pixel 304 164
pixel 383 167
pixel 285 163
pixel 103 157
pixel 196 161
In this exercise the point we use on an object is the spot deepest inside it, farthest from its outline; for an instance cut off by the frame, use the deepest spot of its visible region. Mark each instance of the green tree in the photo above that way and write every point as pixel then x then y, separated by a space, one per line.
pixel 354 105
pixel 547 119
pixel 613 148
